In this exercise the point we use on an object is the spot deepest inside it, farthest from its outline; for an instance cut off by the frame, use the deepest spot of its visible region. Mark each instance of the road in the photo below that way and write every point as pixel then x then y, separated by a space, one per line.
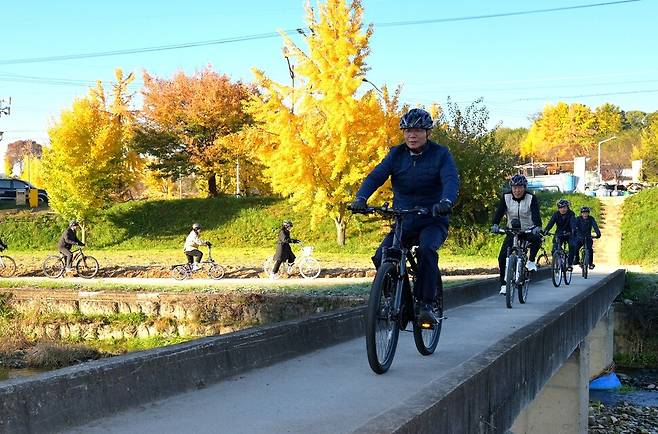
pixel 333 390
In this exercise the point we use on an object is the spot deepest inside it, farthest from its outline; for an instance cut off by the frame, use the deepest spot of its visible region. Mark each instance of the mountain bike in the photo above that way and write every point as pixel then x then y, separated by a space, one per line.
pixel 542 256
pixel 517 276
pixel 209 265
pixel 392 305
pixel 559 265
pixel 308 266
pixel 85 266
pixel 7 264
pixel 586 261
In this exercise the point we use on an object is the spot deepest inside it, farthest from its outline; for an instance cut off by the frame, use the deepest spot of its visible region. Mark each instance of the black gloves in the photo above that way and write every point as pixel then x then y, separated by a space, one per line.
pixel 536 230
pixel 494 229
pixel 296 241
pixel 359 205
pixel 443 207
pixel 81 244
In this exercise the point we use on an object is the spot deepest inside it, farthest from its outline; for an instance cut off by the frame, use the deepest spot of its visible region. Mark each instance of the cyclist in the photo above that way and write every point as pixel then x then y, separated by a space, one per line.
pixel 423 174
pixel 191 247
pixel 583 231
pixel 283 250
pixel 564 220
pixel 520 205
pixel 68 240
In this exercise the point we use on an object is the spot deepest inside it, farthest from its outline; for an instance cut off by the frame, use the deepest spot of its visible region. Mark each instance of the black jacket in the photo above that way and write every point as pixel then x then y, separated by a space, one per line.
pixel 68 239
pixel 565 223
pixel 584 227
pixel 283 250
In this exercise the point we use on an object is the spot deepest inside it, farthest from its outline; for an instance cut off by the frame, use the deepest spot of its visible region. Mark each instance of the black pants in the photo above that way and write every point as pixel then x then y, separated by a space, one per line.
pixel 277 263
pixel 534 242
pixel 577 245
pixel 198 254
pixel 67 254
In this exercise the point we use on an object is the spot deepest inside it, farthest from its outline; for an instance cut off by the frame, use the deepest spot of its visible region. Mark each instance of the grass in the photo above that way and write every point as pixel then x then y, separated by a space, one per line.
pixel 639 227
pixel 641 287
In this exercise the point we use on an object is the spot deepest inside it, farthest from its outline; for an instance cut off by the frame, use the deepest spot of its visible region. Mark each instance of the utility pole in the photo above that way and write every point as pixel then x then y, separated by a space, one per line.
pixel 4 110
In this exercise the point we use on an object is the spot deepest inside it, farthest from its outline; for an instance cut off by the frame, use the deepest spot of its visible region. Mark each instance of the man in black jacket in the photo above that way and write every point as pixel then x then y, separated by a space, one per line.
pixel 283 250
pixel 564 220
pixel 68 240
pixel 523 206
pixel 583 234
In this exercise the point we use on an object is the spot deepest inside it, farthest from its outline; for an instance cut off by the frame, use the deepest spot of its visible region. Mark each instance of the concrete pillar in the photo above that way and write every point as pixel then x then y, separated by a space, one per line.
pixel 601 344
pixel 561 407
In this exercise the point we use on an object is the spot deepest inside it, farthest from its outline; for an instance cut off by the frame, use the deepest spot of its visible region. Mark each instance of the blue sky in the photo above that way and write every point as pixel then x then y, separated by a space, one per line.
pixel 516 63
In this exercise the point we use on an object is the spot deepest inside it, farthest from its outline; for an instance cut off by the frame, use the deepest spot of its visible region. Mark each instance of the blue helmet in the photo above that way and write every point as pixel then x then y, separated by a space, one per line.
pixel 416 118
pixel 518 180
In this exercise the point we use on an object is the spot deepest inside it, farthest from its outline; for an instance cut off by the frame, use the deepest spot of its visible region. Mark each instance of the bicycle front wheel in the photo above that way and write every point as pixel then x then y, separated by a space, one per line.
pixel 7 266
pixel 216 271
pixel 53 266
pixel 87 267
pixel 556 270
pixel 426 340
pixel 524 287
pixel 381 323
pixel 585 263
pixel 510 280
pixel 309 268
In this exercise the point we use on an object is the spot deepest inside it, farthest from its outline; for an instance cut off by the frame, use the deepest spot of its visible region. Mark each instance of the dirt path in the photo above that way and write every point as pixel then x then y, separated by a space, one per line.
pixel 608 247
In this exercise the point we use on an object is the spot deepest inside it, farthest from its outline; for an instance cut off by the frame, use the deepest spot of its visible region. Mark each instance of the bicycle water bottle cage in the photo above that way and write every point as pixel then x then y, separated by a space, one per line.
pixel 392 254
pixel 515 224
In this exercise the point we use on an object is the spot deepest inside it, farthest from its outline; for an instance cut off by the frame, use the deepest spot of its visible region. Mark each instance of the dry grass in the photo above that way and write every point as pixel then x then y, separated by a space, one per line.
pixel 52 355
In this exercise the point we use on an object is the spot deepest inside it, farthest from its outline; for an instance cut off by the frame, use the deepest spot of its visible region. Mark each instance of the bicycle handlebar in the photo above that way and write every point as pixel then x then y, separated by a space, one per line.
pixel 386 210
pixel 504 231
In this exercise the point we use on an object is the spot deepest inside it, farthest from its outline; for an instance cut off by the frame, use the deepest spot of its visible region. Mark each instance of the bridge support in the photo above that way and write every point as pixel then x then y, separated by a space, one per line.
pixel 562 404
pixel 601 344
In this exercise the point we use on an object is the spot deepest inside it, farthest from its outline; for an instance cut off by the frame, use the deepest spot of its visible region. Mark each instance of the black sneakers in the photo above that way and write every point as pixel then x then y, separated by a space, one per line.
pixel 427 314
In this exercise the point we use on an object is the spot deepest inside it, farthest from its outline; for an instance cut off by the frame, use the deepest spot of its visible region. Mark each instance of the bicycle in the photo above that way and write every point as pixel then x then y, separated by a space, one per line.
pixel 392 305
pixel 214 269
pixel 559 265
pixel 517 276
pixel 542 256
pixel 586 262
pixel 308 266
pixel 7 264
pixel 85 266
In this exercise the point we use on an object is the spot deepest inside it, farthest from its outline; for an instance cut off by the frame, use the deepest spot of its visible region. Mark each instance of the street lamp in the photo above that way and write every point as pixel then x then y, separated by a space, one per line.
pixel 598 170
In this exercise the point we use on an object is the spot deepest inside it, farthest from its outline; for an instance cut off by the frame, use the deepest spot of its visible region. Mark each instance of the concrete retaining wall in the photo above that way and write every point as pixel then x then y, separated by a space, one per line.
pixel 77 394
pixel 485 394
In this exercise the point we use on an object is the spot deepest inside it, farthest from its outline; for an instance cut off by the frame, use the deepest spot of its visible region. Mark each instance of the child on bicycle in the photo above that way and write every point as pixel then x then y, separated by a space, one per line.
pixel 564 220
pixel 68 240
pixel 283 250
pixel 191 247
pixel 583 235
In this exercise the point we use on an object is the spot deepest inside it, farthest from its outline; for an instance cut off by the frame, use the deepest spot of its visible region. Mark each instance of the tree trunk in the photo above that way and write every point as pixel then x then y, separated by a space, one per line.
pixel 341 229
pixel 212 185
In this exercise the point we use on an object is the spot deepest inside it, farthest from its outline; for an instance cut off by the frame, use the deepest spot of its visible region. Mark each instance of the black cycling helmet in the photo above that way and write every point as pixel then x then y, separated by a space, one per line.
pixel 584 209
pixel 416 118
pixel 518 180
pixel 562 203
pixel 287 223
pixel 73 223
pixel 196 226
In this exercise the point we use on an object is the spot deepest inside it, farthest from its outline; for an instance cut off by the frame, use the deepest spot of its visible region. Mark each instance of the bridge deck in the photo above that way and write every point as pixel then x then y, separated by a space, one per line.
pixel 334 390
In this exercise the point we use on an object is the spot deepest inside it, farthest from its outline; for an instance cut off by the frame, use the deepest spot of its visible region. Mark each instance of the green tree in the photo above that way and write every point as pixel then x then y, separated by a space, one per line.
pixel 609 119
pixel 648 151
pixel 84 168
pixel 511 138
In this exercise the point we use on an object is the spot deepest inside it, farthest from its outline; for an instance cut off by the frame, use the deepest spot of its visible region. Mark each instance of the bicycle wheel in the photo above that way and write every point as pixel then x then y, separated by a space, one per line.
pixel 53 266
pixel 309 267
pixel 180 272
pixel 7 266
pixel 381 325
pixel 566 273
pixel 556 270
pixel 268 264
pixel 87 267
pixel 585 263
pixel 542 260
pixel 216 271
pixel 524 287
pixel 426 340
pixel 510 280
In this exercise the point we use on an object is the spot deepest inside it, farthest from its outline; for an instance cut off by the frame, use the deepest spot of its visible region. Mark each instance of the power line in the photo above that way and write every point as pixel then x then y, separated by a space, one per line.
pixel 630 92
pixel 290 32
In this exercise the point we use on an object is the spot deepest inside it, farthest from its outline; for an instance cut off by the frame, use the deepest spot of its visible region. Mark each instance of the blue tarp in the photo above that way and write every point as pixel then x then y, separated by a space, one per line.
pixel 605 382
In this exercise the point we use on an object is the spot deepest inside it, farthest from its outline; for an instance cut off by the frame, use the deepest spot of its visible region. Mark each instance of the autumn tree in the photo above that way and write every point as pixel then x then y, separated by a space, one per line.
pixel 609 119
pixel 510 138
pixel 322 137
pixel 184 119
pixel 85 164
pixel 17 152
pixel 648 151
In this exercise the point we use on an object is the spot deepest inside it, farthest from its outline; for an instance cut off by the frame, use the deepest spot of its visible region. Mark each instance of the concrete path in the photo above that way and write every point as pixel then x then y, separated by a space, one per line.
pixel 333 390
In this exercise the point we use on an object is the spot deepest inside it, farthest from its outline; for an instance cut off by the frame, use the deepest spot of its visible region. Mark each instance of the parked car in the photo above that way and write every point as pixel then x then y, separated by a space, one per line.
pixel 9 187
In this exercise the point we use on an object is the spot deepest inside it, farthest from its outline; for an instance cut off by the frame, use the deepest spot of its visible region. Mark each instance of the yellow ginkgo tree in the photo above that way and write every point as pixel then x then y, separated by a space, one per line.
pixel 86 163
pixel 320 138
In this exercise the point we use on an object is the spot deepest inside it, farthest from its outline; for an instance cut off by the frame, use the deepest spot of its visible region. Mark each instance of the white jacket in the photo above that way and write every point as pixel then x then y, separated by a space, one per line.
pixel 192 242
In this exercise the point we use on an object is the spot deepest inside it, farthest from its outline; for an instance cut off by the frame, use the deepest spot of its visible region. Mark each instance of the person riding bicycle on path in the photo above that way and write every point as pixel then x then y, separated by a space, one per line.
pixel 191 247
pixel 283 251
pixel 521 205
pixel 583 235
pixel 564 220
pixel 68 240
pixel 423 174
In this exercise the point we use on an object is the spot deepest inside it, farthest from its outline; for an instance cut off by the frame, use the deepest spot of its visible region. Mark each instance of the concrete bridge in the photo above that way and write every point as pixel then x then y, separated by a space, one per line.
pixel 496 370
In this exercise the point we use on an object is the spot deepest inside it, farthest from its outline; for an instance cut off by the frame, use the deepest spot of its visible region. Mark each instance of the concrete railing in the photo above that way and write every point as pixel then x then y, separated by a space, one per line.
pixel 77 394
